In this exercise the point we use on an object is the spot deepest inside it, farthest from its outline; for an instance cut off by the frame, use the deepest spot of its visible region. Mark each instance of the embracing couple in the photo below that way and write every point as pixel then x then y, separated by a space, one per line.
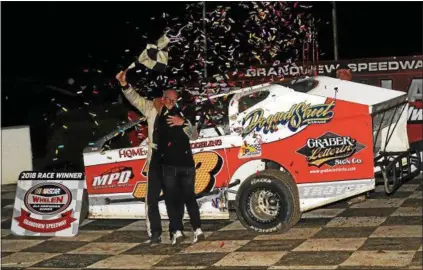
pixel 170 164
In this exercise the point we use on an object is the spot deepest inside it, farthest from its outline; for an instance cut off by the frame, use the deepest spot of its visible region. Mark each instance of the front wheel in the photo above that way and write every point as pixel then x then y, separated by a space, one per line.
pixel 268 202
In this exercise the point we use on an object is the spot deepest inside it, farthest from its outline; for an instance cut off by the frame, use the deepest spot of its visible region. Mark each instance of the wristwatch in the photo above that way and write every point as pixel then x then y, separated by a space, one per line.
pixel 126 87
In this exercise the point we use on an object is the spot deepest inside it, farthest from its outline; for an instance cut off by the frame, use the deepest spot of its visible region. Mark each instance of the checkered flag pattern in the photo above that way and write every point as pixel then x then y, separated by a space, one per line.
pixel 383 232
pixel 76 187
pixel 155 57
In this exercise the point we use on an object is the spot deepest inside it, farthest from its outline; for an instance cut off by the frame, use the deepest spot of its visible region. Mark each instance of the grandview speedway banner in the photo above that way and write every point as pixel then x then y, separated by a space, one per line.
pixel 398 73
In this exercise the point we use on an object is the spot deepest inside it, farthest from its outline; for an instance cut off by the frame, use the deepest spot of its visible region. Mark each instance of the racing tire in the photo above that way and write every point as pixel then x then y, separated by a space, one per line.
pixel 84 207
pixel 281 188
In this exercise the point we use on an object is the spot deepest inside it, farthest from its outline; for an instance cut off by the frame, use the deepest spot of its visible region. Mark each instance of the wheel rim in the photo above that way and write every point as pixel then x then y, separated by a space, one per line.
pixel 264 205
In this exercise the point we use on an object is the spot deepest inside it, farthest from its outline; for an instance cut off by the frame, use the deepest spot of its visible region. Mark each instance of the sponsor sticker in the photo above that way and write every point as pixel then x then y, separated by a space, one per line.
pixel 301 114
pixel 249 151
pixel 50 207
pixel 133 152
pixel 47 199
pixel 206 144
pixel 115 177
pixel 331 149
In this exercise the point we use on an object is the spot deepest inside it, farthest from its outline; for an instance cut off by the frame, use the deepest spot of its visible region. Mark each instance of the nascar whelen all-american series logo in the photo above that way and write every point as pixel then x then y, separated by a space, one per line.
pixel 299 115
pixel 46 199
pixel 331 149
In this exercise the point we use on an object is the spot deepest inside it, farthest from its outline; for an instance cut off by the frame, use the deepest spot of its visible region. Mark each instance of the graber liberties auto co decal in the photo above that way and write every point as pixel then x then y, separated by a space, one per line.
pixel 299 115
pixel 330 149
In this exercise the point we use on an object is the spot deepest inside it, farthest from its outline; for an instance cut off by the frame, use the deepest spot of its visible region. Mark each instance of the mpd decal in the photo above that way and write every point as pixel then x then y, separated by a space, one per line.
pixel 301 114
pixel 115 177
pixel 249 150
pixel 331 149
pixel 47 199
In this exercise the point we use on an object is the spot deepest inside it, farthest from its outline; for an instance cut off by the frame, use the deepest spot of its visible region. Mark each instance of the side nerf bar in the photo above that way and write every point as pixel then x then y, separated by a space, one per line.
pixel 213 192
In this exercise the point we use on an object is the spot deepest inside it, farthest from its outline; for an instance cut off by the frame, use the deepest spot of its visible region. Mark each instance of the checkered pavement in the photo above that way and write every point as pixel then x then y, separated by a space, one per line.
pixel 384 232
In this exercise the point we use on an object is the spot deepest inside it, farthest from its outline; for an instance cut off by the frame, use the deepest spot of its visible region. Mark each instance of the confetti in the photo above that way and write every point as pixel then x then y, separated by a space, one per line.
pixel 237 36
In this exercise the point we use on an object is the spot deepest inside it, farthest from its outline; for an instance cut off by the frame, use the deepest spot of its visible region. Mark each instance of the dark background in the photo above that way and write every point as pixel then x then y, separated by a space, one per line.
pixel 45 43
pixel 54 39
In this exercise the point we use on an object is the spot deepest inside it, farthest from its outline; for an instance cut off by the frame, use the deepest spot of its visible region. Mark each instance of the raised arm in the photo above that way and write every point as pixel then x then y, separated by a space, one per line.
pixel 141 103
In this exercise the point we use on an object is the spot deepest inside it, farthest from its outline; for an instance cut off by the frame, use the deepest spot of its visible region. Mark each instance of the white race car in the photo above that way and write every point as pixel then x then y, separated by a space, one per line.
pixel 281 150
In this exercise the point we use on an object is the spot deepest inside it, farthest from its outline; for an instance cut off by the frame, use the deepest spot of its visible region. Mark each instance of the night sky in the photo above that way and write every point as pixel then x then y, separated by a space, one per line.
pixel 50 42
pixel 46 37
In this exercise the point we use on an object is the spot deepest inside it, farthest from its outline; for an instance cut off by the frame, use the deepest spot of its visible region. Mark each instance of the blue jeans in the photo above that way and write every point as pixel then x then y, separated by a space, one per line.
pixel 178 185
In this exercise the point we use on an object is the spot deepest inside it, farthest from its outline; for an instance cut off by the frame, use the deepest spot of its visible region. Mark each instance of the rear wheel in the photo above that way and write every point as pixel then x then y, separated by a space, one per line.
pixel 268 202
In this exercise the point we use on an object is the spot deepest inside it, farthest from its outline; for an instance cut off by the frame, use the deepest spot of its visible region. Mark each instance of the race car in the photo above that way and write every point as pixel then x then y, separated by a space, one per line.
pixel 279 150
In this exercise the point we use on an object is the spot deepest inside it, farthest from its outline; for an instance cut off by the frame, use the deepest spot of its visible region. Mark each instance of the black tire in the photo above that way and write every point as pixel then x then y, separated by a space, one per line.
pixel 84 207
pixel 283 188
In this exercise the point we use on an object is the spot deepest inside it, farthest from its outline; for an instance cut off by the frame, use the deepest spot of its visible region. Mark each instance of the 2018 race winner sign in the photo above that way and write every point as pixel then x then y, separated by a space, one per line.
pixel 48 203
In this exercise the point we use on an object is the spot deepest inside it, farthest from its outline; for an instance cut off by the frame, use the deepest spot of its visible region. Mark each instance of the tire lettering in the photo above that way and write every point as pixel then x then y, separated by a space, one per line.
pixel 254 181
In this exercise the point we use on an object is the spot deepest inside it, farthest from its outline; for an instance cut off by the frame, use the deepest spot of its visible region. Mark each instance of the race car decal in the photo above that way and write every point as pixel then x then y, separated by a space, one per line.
pixel 299 115
pixel 110 178
pixel 249 150
pixel 133 152
pixel 115 177
pixel 207 166
pixel 330 149
pixel 205 144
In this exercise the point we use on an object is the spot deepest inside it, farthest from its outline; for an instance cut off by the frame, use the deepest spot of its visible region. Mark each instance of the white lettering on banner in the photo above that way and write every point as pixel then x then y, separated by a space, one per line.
pixel 415 114
pixel 56 225
pixel 33 224
pixel 46 175
pixel 292 70
pixel 415 90
pixel 68 175
pixel 132 153
pixel 108 179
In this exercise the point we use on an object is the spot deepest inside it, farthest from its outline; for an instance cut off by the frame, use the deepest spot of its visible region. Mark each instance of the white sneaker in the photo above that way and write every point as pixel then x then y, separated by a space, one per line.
pixel 177 238
pixel 198 236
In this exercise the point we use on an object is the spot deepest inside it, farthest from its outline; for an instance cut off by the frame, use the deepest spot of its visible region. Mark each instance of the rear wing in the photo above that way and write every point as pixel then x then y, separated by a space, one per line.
pixel 390 118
